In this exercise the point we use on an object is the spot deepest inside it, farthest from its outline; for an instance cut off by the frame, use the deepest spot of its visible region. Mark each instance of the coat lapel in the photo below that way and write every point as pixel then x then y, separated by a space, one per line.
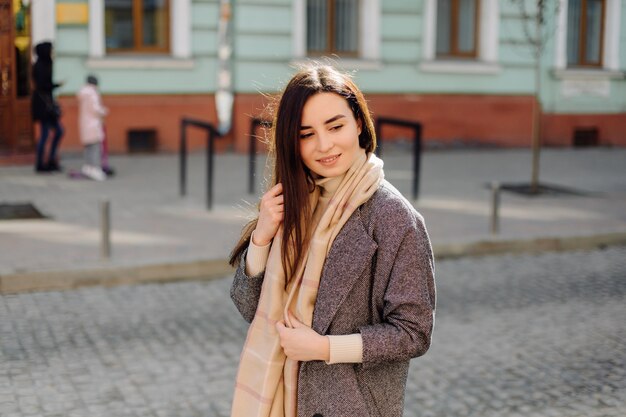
pixel 349 255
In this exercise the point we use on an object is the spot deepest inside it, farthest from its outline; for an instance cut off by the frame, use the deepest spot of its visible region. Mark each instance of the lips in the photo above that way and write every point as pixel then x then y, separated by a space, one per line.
pixel 329 159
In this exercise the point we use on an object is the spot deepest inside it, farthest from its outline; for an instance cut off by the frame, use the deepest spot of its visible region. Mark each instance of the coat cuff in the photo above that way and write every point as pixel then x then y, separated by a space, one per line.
pixel 345 348
pixel 256 258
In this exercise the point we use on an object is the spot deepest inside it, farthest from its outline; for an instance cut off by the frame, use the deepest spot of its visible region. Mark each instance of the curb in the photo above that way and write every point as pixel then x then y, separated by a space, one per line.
pixel 534 245
pixel 109 276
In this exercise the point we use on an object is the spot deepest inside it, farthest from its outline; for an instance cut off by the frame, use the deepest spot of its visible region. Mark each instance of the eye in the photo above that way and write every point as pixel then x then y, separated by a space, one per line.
pixel 336 127
pixel 305 135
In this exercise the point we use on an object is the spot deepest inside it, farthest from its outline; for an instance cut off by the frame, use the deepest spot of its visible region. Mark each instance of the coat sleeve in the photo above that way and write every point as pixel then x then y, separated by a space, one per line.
pixel 408 301
pixel 246 290
pixel 96 106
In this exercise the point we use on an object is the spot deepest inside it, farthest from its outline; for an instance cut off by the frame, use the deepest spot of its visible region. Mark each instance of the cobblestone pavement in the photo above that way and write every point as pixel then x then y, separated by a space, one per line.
pixel 515 336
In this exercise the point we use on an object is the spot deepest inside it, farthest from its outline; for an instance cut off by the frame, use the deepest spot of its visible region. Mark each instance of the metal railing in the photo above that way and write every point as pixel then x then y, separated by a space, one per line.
pixel 417 145
pixel 212 134
pixel 255 123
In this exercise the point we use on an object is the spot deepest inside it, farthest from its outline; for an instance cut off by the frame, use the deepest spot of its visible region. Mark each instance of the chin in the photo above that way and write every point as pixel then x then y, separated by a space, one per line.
pixel 331 172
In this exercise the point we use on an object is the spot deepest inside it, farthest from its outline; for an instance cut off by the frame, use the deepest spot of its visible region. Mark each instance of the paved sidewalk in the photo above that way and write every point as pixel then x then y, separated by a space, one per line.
pixel 515 336
pixel 158 235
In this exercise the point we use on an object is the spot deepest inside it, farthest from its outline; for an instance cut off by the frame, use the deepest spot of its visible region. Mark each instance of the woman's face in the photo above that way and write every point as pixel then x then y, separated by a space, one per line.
pixel 329 135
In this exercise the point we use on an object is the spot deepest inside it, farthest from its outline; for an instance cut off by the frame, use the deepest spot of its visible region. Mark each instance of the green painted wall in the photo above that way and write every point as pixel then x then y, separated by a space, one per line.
pixel 263 45
pixel 401 53
pixel 72 55
pixel 552 87
pixel 263 48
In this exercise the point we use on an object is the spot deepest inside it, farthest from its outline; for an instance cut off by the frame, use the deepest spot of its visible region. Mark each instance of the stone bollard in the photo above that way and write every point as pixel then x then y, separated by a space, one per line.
pixel 495 207
pixel 105 230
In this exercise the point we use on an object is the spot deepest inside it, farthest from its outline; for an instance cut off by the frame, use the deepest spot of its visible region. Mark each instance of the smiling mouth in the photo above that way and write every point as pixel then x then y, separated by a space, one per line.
pixel 329 159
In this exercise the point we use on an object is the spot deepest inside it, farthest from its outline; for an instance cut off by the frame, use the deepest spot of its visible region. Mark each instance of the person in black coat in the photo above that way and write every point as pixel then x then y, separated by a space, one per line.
pixel 44 109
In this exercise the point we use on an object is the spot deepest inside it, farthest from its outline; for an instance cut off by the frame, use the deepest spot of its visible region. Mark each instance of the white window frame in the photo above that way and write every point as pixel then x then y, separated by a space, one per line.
pixel 486 61
pixel 369 35
pixel 180 41
pixel 610 48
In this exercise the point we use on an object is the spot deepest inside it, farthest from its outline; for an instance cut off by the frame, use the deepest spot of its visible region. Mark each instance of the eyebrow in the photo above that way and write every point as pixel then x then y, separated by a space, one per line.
pixel 332 119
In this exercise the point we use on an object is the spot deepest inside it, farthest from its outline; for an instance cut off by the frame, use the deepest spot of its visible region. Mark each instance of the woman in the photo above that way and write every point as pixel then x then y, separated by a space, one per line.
pixel 336 274
pixel 45 109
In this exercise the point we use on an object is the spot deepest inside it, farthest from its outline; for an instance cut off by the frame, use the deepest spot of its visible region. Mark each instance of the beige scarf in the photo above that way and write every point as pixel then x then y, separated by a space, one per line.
pixel 267 380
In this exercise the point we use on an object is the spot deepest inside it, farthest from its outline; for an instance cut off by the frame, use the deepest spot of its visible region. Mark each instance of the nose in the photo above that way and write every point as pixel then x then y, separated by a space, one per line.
pixel 324 142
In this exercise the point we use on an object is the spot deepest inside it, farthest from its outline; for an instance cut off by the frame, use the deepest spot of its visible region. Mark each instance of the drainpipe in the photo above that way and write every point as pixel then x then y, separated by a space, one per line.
pixel 224 96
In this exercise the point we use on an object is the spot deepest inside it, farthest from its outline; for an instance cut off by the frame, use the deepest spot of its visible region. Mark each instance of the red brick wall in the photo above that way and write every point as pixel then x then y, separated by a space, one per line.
pixel 160 112
pixel 501 120
pixel 498 120
pixel 558 129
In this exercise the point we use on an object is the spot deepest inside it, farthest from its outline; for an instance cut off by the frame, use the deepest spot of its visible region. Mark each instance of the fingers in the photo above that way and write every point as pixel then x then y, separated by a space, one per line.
pixel 275 205
pixel 295 323
pixel 274 197
pixel 300 342
pixel 272 200
pixel 271 214
pixel 280 326
pixel 275 209
pixel 282 329
pixel 276 190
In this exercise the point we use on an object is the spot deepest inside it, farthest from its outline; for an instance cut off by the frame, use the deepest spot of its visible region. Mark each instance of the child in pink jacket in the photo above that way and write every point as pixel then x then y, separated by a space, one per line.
pixel 91 112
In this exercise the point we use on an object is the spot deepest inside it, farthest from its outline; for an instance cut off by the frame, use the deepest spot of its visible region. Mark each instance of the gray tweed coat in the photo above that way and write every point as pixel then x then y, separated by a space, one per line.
pixel 378 279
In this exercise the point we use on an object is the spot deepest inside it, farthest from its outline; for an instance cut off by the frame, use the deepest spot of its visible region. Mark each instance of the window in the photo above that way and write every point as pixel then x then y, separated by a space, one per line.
pixel 332 27
pixel 457 26
pixel 450 32
pixel 585 28
pixel 137 25
pixel 588 38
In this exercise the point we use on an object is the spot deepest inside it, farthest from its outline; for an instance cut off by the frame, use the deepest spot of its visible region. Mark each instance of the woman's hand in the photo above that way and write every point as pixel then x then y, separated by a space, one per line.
pixel 271 214
pixel 301 343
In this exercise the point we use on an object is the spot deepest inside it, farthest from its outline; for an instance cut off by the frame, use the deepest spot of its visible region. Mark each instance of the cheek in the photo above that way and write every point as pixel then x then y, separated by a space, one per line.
pixel 306 150
pixel 351 137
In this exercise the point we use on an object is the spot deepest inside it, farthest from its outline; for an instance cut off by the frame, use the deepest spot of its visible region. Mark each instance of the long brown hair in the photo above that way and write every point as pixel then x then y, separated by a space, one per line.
pixel 284 150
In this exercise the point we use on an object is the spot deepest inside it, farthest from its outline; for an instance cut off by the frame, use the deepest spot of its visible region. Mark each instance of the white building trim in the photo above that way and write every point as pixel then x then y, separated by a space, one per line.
pixel 489 30
pixel 488 41
pixel 180 24
pixel 460 67
pixel 180 29
pixel 96 28
pixel 43 13
pixel 430 29
pixel 560 38
pixel 369 31
pixel 611 35
pixel 299 29
pixel 610 46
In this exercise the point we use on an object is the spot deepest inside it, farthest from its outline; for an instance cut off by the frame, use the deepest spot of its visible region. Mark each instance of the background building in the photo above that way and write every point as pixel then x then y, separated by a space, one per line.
pixel 464 68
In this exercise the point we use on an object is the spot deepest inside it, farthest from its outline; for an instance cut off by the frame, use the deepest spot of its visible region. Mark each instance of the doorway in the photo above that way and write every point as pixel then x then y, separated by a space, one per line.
pixel 16 127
